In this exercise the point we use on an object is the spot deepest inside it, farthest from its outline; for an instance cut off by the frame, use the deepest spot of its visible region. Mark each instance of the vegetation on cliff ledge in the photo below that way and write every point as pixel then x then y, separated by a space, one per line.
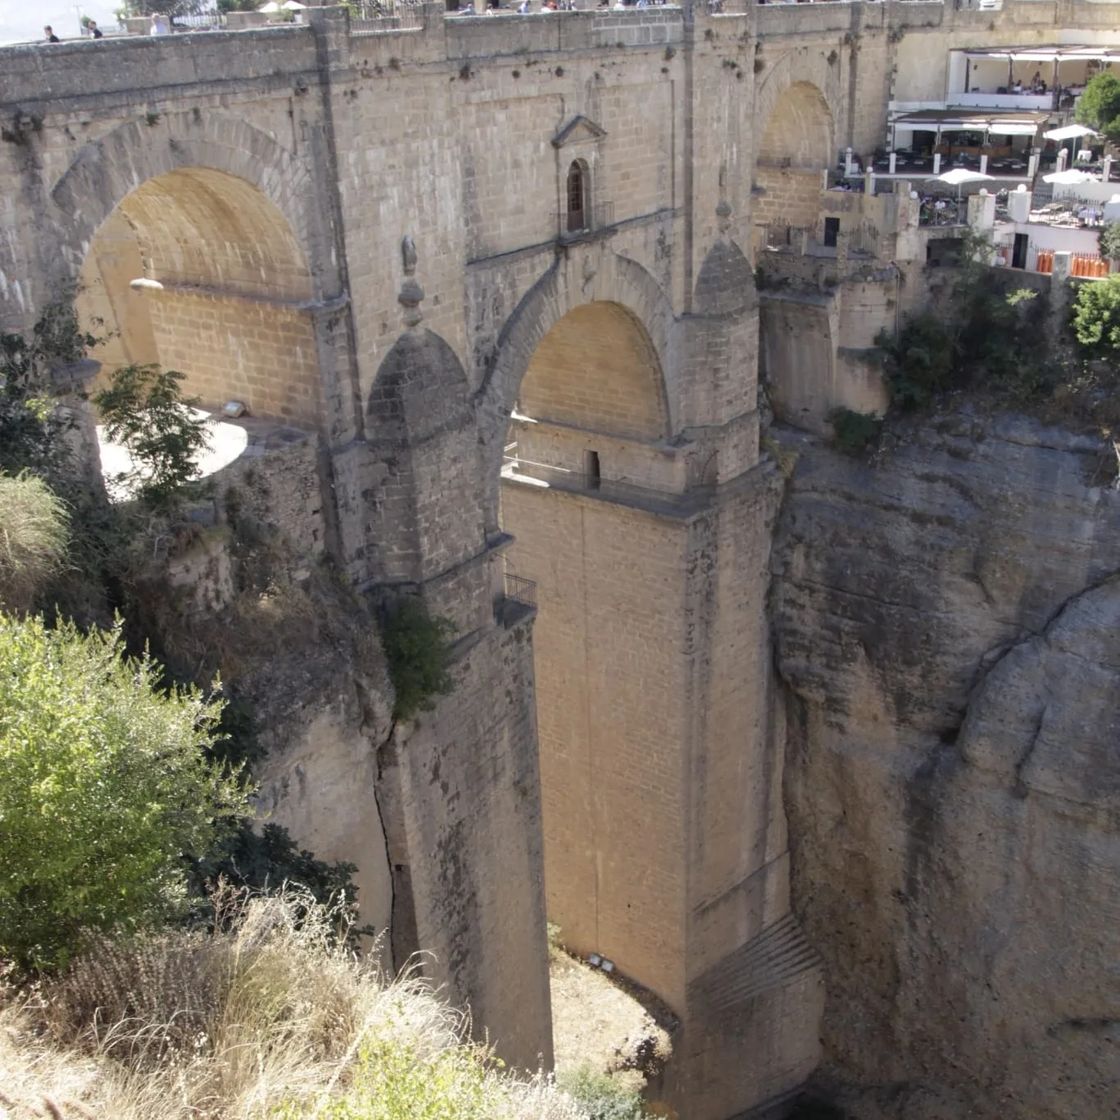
pixel 269 1018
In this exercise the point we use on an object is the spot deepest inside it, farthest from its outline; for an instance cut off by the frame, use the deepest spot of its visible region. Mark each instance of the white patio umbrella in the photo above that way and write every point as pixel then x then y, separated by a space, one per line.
pixel 1073 175
pixel 293 6
pixel 271 8
pixel 1068 132
pixel 957 177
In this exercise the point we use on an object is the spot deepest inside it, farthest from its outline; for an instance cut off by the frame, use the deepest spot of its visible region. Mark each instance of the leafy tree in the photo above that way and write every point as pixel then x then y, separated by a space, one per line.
pixel 167 7
pixel 104 787
pixel 144 410
pixel 416 647
pixel 920 362
pixel 31 428
pixel 1099 106
pixel 1109 239
pixel 1096 317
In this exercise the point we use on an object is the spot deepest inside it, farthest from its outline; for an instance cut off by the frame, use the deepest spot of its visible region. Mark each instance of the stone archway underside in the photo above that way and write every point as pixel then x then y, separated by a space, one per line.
pixel 196 270
pixel 795 147
pixel 607 642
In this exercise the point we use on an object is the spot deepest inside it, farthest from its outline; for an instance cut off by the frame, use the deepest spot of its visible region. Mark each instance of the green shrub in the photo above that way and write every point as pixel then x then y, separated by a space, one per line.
pixel 854 432
pixel 103 789
pixel 144 410
pixel 1096 317
pixel 1109 240
pixel 1099 106
pixel 602 1097
pixel 417 649
pixel 30 426
pixel 397 1081
pixel 33 536
pixel 919 363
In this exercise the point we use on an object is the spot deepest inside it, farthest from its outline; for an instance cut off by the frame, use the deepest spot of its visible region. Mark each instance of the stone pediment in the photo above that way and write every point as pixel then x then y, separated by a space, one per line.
pixel 579 128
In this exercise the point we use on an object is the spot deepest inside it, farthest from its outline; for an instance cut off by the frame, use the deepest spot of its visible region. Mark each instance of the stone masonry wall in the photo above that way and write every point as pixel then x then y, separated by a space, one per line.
pixel 239 349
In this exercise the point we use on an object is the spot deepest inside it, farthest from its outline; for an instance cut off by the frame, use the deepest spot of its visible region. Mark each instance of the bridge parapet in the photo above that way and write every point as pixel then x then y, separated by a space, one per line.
pixel 134 64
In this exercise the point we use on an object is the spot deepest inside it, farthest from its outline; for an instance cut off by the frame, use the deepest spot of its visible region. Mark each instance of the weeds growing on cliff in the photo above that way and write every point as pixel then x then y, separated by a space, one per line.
pixel 993 344
pixel 271 1019
pixel 854 432
pixel 34 529
pixel 418 652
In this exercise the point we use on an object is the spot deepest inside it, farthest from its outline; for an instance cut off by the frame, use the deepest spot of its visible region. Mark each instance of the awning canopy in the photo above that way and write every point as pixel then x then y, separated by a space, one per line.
pixel 1070 132
pixel 1003 122
pixel 1046 54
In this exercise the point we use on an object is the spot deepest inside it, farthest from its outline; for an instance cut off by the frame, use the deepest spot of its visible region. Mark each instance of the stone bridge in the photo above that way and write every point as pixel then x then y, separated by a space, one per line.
pixel 557 379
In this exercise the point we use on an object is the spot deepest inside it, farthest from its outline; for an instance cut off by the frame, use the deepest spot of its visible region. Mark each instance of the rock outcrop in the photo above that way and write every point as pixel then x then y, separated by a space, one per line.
pixel 947 622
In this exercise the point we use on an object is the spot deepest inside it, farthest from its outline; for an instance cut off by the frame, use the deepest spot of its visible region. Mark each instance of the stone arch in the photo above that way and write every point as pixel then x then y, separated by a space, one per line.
pixel 585 275
pixel 595 369
pixel 196 268
pixel 420 427
pixel 798 128
pixel 108 170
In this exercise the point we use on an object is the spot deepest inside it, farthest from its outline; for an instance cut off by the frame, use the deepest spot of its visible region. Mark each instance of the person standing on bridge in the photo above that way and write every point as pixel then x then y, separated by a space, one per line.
pixel 160 24
pixel 94 30
pixel 49 35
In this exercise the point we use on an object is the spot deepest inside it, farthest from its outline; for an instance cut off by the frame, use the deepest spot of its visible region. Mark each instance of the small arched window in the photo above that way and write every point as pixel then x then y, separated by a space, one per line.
pixel 579 192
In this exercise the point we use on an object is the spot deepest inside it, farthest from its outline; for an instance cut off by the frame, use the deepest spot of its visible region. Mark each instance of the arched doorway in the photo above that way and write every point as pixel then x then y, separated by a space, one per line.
pixel 196 270
pixel 793 150
pixel 586 495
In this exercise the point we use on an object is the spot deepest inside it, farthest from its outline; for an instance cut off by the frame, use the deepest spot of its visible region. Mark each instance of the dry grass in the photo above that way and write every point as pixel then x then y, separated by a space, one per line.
pixel 33 536
pixel 272 1019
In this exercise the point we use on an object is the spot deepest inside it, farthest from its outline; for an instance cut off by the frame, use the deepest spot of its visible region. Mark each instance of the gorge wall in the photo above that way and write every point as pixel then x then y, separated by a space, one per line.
pixel 946 629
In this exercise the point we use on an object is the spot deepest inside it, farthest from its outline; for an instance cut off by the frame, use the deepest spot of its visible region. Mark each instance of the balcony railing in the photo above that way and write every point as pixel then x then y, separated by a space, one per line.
pixel 387 15
pixel 943 212
pixel 518 601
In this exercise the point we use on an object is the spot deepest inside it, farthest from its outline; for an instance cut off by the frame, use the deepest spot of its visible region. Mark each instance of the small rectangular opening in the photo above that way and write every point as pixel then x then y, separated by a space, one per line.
pixel 831 232
pixel 591 469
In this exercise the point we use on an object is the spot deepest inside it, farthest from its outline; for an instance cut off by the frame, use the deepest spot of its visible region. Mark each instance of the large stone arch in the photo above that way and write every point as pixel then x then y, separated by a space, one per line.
pixel 108 170
pixel 797 126
pixel 793 145
pixel 585 274
pixel 197 270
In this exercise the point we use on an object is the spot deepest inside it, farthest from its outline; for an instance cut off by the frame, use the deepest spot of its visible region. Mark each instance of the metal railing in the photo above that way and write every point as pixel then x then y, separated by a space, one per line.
pixel 518 600
pixel 943 212
pixel 518 589
pixel 208 20
pixel 387 15
pixel 643 495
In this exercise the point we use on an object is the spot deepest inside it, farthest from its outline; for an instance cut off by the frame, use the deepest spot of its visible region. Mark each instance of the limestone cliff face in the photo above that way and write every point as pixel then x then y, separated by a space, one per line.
pixel 947 623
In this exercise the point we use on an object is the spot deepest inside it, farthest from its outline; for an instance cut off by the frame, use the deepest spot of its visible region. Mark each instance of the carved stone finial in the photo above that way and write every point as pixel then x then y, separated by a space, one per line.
pixel 723 214
pixel 411 294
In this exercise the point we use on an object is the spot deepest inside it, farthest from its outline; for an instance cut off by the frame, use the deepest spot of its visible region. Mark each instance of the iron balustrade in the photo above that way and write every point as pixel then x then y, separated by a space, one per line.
pixel 387 15
pixel 518 589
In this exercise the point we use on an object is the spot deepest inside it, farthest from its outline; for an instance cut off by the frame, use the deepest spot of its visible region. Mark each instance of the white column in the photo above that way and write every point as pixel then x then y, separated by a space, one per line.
pixel 892 163
pixel 983 165
pixel 937 164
